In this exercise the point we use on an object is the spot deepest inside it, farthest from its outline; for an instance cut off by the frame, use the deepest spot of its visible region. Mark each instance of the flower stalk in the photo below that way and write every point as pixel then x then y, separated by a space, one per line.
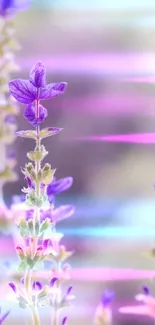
pixel 37 226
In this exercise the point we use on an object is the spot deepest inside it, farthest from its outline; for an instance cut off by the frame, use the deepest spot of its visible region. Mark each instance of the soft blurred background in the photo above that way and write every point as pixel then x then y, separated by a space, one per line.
pixel 105 50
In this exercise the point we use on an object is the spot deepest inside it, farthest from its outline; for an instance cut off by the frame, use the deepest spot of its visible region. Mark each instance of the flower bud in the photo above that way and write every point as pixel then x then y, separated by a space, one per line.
pixel 20 252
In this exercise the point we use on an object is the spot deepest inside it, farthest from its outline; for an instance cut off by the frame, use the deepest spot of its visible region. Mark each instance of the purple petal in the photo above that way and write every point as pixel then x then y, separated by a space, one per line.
pixel 45 243
pixel 51 199
pixel 40 249
pixel 22 280
pixel 64 321
pixel 62 212
pixel 37 75
pixel 10 119
pixel 12 6
pixel 146 290
pixel 30 115
pixel 4 316
pixel 37 285
pixel 11 154
pixel 53 90
pixel 30 183
pixel 59 186
pixel 69 291
pixel 107 297
pixel 13 286
pixel 23 91
pixel 53 280
pixel 29 214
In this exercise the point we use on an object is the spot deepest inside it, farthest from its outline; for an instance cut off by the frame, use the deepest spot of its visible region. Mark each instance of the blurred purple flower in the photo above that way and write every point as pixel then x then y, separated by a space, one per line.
pixel 30 184
pixel 58 186
pixel 146 306
pixel 107 298
pixel 27 91
pixel 58 214
pixel 10 119
pixel 37 285
pixel 53 281
pixel 13 287
pixel 45 243
pixel 4 316
pixel 30 115
pixel 8 7
pixel 146 290
pixel 64 321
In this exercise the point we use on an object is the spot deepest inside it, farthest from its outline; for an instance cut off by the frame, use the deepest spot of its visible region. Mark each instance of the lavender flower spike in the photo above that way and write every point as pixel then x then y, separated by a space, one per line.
pixel 38 225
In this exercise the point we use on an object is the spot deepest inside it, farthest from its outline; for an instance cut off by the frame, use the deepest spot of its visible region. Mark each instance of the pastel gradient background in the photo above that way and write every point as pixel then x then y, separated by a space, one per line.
pixel 105 50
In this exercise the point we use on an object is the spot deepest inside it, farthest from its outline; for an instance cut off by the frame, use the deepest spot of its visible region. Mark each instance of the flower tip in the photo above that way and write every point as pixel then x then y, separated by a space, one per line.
pixel 64 321
pixel 13 287
pixel 146 290
pixel 69 290
pixel 37 285
pixel 53 281
pixel 107 297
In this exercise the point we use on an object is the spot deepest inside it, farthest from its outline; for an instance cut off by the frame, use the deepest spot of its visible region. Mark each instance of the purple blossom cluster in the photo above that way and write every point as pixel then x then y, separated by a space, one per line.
pixel 9 7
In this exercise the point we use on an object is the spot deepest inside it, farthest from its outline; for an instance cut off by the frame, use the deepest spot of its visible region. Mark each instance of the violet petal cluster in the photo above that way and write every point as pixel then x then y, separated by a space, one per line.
pixel 58 186
pixel 30 115
pixel 8 7
pixel 35 89
pixel 26 91
pixel 107 298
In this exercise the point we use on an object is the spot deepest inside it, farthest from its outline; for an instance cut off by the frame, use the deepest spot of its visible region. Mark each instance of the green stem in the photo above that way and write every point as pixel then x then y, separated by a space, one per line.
pixel 55 317
pixel 28 281
pixel 35 316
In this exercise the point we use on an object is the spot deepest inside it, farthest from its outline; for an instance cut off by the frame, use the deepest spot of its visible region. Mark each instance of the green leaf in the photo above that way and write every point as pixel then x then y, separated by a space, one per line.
pixel 44 292
pixel 30 263
pixel 22 266
pixel 37 226
pixel 22 305
pixel 26 134
pixel 38 266
pixel 24 232
pixel 45 225
pixel 47 132
pixel 35 155
pixel 30 226
pixel 22 223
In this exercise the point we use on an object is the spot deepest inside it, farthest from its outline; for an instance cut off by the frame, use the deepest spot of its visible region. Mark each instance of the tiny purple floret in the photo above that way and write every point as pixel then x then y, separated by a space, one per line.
pixel 53 280
pixel 13 287
pixel 64 321
pixel 107 297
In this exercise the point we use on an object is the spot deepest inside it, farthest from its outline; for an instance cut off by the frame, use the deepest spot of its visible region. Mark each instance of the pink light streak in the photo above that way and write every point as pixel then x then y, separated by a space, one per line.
pixel 108 63
pixel 104 274
pixel 113 103
pixel 139 138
